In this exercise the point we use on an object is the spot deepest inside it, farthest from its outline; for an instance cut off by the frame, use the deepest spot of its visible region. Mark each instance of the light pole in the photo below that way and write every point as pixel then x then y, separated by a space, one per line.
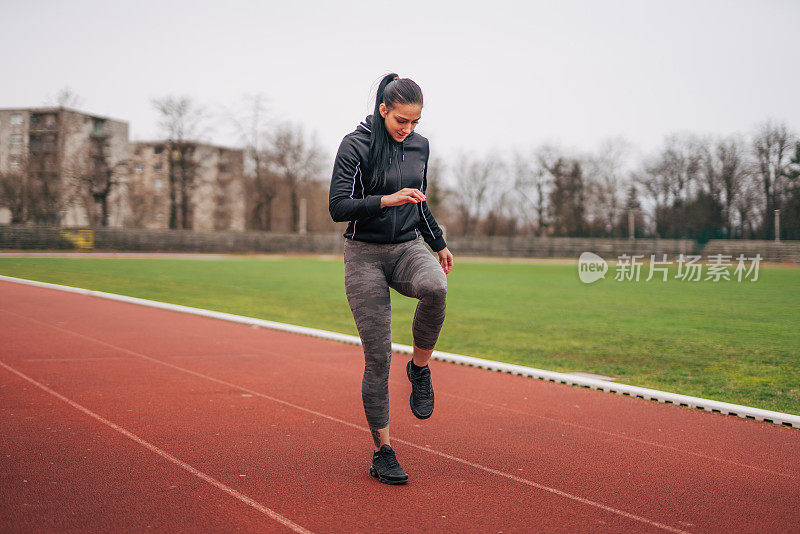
pixel 631 229
pixel 303 216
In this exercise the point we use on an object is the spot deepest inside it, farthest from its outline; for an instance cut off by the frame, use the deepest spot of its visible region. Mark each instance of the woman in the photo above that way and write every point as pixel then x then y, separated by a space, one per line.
pixel 378 184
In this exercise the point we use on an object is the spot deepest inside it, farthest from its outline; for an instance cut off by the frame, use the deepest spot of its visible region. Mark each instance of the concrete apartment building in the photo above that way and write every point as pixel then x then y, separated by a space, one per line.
pixel 60 155
pixel 63 158
pixel 217 198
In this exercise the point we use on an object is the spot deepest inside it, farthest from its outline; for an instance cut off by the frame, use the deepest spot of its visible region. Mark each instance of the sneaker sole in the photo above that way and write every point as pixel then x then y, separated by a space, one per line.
pixel 393 482
pixel 417 415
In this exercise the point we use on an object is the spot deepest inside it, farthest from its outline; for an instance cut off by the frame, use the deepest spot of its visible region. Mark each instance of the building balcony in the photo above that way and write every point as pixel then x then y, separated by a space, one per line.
pixel 43 128
pixel 42 148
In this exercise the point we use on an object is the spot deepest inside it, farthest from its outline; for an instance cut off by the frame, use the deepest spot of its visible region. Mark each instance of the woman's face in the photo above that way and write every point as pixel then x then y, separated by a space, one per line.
pixel 401 119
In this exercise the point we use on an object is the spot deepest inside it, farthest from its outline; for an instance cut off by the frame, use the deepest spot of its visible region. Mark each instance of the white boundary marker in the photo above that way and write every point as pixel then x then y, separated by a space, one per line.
pixel 709 405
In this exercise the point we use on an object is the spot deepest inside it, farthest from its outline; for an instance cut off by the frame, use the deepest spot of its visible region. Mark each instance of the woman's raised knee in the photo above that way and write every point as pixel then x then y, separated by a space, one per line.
pixel 433 287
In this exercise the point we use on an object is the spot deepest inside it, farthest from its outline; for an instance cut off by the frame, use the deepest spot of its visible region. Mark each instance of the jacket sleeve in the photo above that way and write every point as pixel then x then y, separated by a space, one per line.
pixel 431 232
pixel 346 183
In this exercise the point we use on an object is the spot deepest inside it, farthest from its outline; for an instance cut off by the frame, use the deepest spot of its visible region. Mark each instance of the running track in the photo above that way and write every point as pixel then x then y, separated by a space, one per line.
pixel 119 417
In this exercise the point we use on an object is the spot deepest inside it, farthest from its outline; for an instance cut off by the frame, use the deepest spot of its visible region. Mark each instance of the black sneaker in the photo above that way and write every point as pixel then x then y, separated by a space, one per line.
pixel 421 391
pixel 385 467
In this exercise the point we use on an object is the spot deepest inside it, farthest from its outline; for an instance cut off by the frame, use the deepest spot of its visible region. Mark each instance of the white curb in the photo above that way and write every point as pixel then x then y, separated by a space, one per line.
pixel 709 405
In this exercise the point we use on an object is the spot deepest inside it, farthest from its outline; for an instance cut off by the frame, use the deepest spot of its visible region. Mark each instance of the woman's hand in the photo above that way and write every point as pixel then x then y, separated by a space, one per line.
pixel 445 260
pixel 404 196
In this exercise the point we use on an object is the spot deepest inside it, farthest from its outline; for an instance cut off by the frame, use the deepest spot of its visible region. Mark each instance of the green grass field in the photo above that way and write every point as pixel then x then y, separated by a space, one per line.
pixel 731 341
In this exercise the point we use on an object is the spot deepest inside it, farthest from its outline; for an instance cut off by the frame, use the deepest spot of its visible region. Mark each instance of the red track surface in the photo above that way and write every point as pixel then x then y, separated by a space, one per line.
pixel 119 417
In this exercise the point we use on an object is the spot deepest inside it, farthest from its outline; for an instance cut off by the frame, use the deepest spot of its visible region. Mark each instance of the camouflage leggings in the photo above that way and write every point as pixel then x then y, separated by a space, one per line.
pixel 370 269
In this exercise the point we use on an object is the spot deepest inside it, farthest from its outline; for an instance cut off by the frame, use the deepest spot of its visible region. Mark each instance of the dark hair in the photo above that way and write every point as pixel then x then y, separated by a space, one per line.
pixel 392 90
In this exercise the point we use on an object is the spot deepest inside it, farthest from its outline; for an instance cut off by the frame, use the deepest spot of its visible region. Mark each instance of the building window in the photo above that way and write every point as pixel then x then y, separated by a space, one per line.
pixel 157 184
pixel 156 201
pixel 158 149
pixel 157 167
pixel 16 139
pixel 49 143
pixel 43 121
pixel 13 162
pixel 137 152
pixel 16 119
pixel 139 168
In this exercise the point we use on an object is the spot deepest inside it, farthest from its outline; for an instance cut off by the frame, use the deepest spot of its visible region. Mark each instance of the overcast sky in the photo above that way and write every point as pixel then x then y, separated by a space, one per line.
pixel 495 75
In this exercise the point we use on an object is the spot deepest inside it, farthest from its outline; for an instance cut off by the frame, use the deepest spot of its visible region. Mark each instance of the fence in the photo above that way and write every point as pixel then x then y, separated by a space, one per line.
pixel 119 239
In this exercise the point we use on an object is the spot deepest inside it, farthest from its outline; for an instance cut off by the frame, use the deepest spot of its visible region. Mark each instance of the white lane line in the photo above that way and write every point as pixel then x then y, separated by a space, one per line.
pixel 196 472
pixel 623 436
pixel 509 476
pixel 87 359
pixel 223 356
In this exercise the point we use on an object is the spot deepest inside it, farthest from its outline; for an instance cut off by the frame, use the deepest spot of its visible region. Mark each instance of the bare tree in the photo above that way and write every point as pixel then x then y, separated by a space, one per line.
pixel 294 160
pixel 183 123
pixel 725 169
pixel 500 200
pixel 747 208
pixel 15 193
pixel 144 202
pixel 473 180
pixel 772 149
pixel 531 184
pixel 672 179
pixel 91 178
pixel 681 161
pixel 66 97
pixel 261 182
pixel 606 185
pixel 261 189
pixel 654 180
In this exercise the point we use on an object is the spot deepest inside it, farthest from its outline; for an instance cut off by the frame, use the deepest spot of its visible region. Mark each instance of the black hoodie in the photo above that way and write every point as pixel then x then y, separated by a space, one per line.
pixel 348 200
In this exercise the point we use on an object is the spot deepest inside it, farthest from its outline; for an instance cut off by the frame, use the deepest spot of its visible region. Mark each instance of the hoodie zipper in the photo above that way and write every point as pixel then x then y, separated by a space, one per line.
pixel 394 210
pixel 400 174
